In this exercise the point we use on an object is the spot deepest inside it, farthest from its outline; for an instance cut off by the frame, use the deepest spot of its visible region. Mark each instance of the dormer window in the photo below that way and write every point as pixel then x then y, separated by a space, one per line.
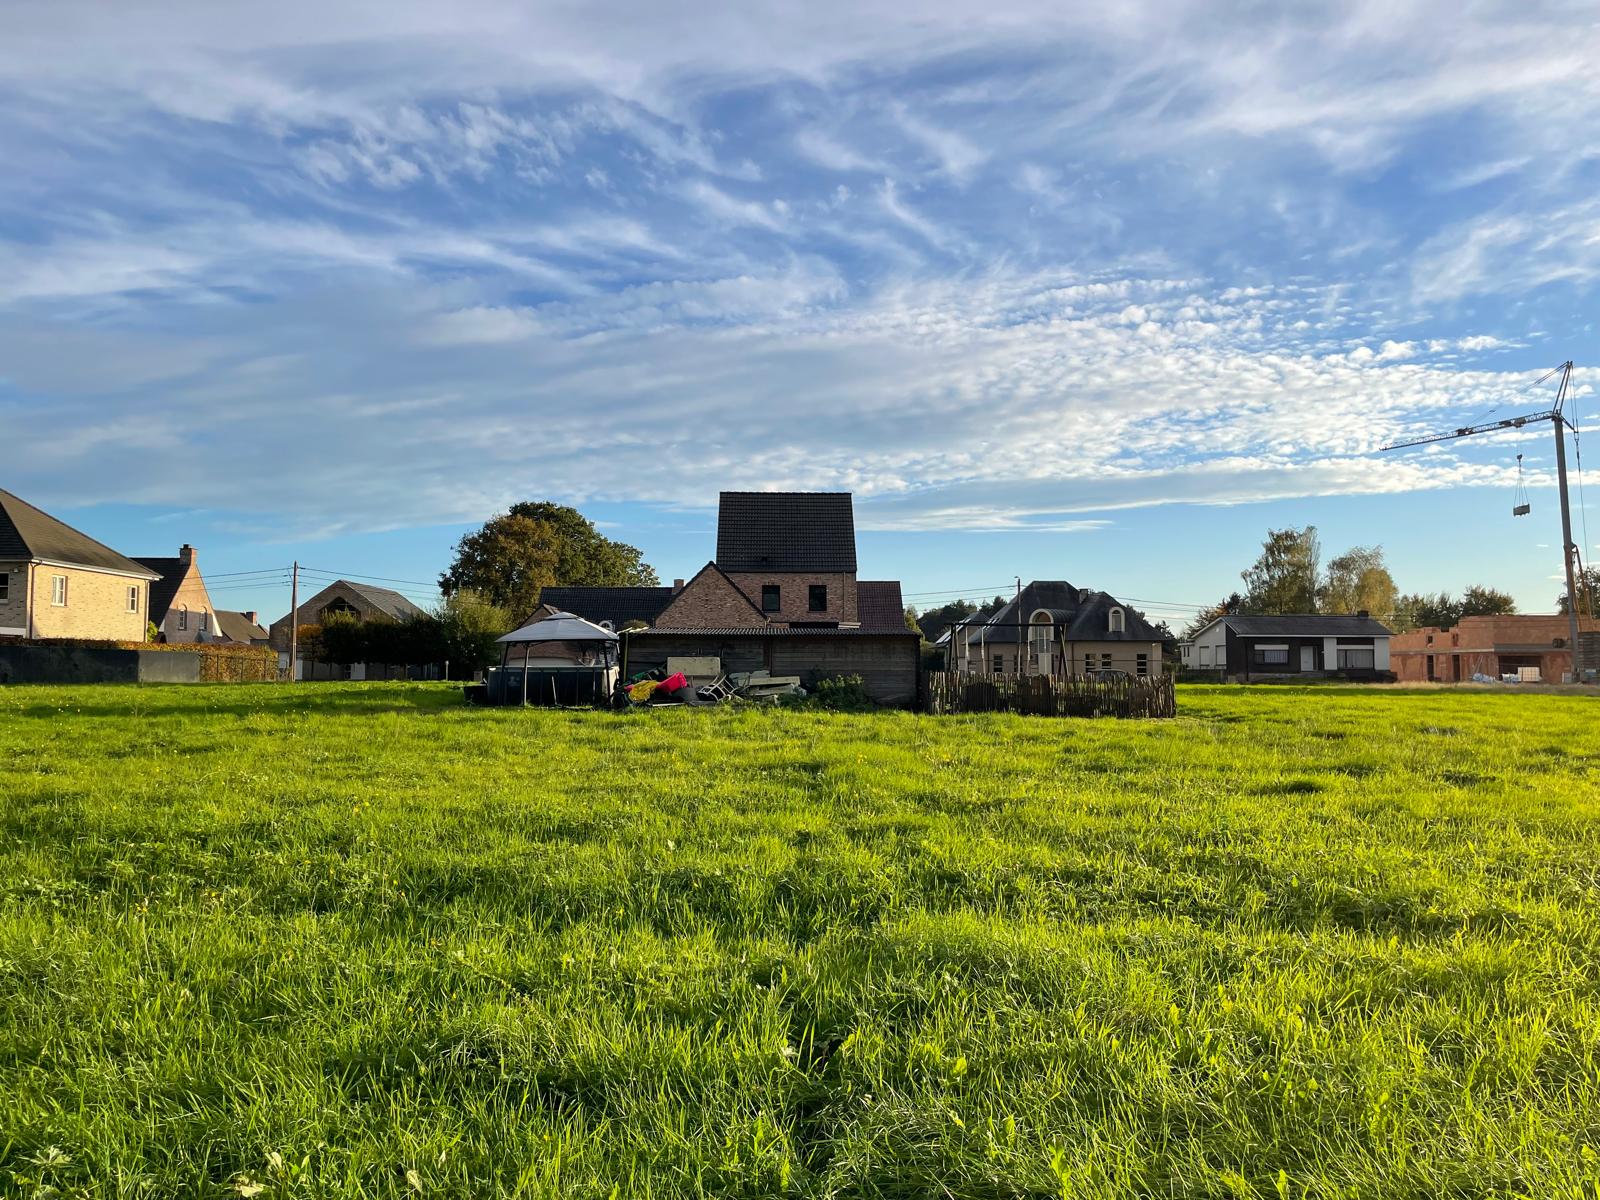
pixel 1119 622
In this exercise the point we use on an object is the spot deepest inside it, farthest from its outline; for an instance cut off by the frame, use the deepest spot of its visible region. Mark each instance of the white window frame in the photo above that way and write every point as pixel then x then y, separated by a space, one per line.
pixel 133 597
pixel 5 586
pixel 183 617
pixel 1118 621
pixel 203 615
pixel 58 591
pixel 1258 655
pixel 999 664
pixel 1141 665
pixel 1205 657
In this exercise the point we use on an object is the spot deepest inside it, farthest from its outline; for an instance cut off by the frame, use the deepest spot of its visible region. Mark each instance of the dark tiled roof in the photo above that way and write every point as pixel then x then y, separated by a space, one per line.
pixel 385 599
pixel 1306 625
pixel 164 589
pixel 237 627
pixel 1093 622
pixel 619 605
pixel 786 531
pixel 1084 616
pixel 878 605
pixel 773 631
pixel 27 533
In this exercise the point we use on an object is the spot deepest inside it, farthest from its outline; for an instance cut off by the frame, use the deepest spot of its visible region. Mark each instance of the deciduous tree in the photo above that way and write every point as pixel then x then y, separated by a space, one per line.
pixel 1284 578
pixel 1359 581
pixel 536 545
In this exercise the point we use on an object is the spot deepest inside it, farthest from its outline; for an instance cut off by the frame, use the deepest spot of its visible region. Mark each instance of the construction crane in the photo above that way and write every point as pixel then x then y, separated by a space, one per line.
pixel 1569 550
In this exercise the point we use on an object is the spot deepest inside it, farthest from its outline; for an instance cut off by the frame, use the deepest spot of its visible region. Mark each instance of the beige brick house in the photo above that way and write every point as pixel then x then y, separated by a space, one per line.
pixel 180 606
pixel 56 582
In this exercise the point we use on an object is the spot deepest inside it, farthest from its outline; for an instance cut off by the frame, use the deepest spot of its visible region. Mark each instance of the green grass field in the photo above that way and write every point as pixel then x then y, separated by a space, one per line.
pixel 360 940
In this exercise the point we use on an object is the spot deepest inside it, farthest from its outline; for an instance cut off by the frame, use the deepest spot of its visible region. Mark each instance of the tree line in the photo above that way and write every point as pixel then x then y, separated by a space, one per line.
pixel 1289 577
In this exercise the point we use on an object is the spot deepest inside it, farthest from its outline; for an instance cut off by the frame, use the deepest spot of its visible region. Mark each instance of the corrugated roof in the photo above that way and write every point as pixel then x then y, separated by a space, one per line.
pixel 786 531
pixel 1306 625
pixel 29 533
pixel 618 605
pixel 878 604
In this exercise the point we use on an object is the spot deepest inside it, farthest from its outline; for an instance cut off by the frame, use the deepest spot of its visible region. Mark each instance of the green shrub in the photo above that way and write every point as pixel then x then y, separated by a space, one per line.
pixel 842 693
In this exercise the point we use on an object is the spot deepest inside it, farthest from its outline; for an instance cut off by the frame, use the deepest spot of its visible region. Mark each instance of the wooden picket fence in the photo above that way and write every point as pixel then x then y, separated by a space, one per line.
pixel 949 692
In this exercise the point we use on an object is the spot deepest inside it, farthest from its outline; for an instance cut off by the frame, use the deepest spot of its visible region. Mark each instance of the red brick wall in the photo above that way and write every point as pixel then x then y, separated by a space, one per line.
pixel 709 601
pixel 794 594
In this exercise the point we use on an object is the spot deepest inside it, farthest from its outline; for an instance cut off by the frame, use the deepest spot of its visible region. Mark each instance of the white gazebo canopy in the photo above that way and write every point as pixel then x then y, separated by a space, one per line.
pixel 559 627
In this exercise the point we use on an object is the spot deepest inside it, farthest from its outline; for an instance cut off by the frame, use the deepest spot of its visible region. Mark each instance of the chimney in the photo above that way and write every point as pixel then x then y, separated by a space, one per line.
pixel 251 617
pixel 677 585
pixel 186 554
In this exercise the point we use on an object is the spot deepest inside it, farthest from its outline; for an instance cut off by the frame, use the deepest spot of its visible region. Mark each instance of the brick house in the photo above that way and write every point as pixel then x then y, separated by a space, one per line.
pixel 342 598
pixel 56 582
pixel 1493 646
pixel 781 595
pixel 180 606
pixel 1053 628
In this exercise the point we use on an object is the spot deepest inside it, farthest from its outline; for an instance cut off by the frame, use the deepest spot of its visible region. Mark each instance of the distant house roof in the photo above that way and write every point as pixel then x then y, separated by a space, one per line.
pixel 786 531
pixel 618 605
pixel 878 605
pixel 30 534
pixel 386 599
pixel 1305 625
pixel 162 590
pixel 237 627
pixel 1082 616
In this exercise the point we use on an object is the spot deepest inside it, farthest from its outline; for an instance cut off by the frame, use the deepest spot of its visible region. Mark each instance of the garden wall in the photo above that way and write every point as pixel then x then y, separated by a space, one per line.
pixel 88 664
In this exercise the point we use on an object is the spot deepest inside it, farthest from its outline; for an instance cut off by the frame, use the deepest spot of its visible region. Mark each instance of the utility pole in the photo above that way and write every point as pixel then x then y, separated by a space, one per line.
pixel 294 618
pixel 1560 424
pixel 1021 628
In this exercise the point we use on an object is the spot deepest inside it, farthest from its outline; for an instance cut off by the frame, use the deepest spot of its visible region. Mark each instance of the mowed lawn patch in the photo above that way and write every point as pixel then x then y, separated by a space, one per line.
pixel 361 940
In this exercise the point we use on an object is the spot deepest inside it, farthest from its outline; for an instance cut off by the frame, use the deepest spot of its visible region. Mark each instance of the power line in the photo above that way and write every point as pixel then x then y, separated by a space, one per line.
pixel 382 578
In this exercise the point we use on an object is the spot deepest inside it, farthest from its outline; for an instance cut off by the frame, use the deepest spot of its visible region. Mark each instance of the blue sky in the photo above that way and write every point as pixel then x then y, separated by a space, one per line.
pixel 1100 296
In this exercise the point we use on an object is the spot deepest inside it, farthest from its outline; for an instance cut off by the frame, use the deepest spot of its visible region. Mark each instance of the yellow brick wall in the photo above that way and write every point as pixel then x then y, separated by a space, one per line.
pixel 191 593
pixel 97 605
pixel 14 608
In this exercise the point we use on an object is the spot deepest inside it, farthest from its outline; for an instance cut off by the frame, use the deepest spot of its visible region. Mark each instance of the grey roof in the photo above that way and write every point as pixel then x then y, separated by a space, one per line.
pixel 786 531
pixel 619 605
pixel 1081 615
pixel 878 605
pixel 386 599
pixel 163 589
pixel 1306 625
pixel 559 627
pixel 29 533
pixel 237 627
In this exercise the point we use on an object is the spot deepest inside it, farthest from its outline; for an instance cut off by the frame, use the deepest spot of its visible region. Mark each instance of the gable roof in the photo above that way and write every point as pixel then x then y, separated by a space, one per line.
pixel 386 599
pixel 619 605
pixel 171 572
pixel 786 531
pixel 29 533
pixel 878 604
pixel 1305 625
pixel 236 627
pixel 1081 616
pixel 714 576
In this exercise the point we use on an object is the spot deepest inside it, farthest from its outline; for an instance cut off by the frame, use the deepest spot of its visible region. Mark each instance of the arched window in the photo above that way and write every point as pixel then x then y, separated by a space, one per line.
pixel 1119 623
pixel 183 617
